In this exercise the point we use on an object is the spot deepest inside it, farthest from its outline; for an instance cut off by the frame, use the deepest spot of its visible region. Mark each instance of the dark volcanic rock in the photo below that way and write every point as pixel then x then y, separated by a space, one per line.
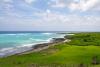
pixel 53 41
pixel 41 45
pixel 56 40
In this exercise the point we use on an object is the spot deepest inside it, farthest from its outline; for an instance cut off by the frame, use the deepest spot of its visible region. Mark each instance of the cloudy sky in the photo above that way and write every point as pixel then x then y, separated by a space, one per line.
pixel 49 15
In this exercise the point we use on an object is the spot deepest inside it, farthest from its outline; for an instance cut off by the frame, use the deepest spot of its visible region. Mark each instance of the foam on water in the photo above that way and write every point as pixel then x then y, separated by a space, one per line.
pixel 15 43
pixel 48 33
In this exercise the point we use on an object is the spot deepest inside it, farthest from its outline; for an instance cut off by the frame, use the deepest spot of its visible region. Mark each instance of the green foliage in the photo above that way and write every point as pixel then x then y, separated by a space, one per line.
pixel 67 55
pixel 85 39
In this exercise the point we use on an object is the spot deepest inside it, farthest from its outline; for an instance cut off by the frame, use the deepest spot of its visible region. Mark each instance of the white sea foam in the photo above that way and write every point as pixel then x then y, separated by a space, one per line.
pixel 39 40
pixel 6 49
pixel 26 47
pixel 61 36
pixel 17 49
pixel 14 50
pixel 48 33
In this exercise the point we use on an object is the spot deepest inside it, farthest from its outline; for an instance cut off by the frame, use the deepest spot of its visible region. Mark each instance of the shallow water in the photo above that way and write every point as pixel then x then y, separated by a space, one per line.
pixel 11 43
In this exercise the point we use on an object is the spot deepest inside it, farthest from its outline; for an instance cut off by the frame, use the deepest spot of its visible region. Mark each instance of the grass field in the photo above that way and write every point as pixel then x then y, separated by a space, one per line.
pixel 81 50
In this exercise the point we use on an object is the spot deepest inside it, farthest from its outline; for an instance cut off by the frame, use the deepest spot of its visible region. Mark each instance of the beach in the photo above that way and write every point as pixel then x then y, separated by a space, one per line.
pixel 52 39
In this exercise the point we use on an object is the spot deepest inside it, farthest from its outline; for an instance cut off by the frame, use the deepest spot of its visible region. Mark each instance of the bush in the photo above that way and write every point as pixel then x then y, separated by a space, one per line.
pixel 85 39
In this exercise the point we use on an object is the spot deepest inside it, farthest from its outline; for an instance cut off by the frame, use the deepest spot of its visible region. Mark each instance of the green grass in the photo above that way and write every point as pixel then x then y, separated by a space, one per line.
pixel 65 53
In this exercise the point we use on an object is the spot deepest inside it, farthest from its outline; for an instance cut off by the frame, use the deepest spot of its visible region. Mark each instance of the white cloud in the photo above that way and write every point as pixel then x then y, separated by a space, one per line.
pixel 10 1
pixel 53 21
pixel 57 4
pixel 56 21
pixel 80 5
pixel 49 19
pixel 59 20
pixel 83 5
pixel 29 1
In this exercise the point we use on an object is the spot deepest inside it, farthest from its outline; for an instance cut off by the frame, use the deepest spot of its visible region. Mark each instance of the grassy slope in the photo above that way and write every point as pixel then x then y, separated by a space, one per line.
pixel 66 53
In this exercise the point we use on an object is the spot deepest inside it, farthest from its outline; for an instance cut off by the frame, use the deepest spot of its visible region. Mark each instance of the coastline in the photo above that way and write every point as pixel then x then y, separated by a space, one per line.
pixel 71 53
pixel 43 46
pixel 34 47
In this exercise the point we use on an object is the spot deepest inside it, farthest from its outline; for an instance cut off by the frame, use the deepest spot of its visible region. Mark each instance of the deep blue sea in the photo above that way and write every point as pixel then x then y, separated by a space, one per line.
pixel 16 42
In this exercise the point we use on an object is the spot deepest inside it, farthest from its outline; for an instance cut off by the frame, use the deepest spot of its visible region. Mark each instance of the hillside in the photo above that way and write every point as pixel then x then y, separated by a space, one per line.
pixel 82 50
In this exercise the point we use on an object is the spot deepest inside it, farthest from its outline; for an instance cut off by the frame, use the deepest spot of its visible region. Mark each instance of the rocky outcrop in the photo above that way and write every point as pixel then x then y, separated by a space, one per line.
pixel 41 45
pixel 53 41
pixel 56 40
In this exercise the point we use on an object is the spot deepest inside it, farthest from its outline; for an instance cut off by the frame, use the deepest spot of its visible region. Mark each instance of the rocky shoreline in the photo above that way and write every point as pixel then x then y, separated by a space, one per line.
pixel 37 47
pixel 42 46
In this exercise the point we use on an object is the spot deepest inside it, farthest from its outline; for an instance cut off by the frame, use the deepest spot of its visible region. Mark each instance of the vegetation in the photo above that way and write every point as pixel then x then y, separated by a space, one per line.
pixel 82 50
pixel 85 39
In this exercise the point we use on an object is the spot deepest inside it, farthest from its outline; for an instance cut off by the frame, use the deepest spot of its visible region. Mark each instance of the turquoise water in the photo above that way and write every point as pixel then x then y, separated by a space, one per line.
pixel 11 43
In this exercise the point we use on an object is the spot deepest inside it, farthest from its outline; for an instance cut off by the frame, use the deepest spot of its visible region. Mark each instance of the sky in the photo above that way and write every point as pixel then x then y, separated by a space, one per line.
pixel 49 15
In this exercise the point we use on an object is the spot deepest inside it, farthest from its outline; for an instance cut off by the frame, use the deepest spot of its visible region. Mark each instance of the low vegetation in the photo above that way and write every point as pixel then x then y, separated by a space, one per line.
pixel 82 51
pixel 85 39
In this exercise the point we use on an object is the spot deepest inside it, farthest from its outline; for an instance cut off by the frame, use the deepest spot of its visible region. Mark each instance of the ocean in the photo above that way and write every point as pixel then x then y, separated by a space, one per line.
pixel 17 42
